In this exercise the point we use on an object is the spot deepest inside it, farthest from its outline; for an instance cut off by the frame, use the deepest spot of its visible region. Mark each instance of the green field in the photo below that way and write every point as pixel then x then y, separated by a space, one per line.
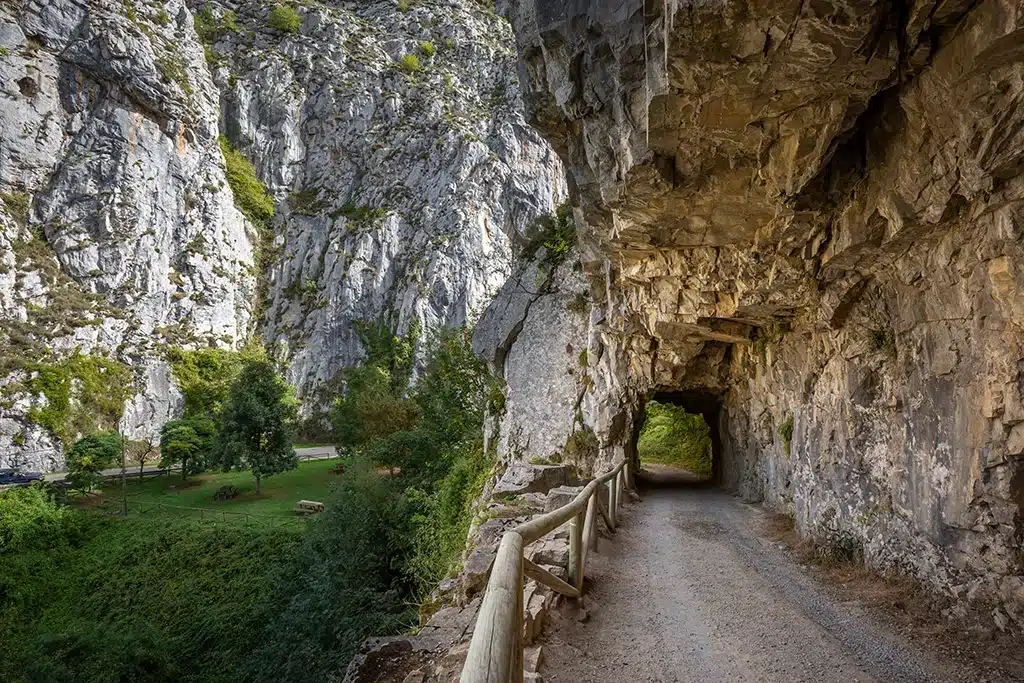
pixel 311 480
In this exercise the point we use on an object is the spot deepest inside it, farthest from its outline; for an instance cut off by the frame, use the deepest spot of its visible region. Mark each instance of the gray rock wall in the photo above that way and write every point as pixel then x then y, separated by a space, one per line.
pixel 811 213
pixel 399 193
pixel 119 232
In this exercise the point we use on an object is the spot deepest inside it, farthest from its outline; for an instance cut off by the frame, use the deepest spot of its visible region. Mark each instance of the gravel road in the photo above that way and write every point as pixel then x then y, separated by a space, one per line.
pixel 689 591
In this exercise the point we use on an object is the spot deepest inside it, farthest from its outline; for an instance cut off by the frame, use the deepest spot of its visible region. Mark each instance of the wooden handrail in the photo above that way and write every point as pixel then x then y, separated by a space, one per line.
pixel 496 650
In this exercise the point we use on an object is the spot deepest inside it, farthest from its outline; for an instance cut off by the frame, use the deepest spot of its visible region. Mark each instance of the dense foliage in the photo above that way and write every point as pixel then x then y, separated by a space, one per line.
pixel 251 196
pixel 205 376
pixel 82 393
pixel 345 583
pixel 89 598
pixel 95 600
pixel 672 436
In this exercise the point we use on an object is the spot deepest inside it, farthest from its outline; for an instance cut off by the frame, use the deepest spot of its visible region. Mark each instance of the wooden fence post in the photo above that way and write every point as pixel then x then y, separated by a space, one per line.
pixel 613 502
pixel 498 633
pixel 576 550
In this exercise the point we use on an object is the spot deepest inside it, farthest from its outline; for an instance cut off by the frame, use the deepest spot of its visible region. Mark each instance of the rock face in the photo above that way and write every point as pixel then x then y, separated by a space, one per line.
pixel 405 172
pixel 392 142
pixel 118 233
pixel 804 221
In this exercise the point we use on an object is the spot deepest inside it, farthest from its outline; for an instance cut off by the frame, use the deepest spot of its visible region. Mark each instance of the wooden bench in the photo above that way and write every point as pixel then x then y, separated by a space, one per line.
pixel 309 507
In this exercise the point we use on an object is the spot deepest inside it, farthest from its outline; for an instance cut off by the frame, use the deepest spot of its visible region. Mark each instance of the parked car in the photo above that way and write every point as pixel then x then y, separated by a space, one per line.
pixel 15 476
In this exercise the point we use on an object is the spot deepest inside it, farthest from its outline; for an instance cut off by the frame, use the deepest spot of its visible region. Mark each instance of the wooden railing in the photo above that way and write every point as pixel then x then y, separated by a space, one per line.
pixel 496 650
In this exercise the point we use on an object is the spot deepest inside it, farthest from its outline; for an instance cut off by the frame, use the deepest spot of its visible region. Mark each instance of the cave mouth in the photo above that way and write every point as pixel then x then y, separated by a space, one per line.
pixel 677 441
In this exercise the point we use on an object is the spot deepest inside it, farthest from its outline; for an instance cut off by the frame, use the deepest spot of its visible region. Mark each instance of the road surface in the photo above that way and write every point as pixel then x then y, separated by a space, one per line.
pixel 689 591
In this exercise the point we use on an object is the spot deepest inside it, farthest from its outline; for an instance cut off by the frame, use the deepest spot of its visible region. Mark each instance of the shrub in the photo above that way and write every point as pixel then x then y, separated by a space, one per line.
pixel 17 205
pixel 139 600
pixel 251 197
pixel 409 63
pixel 441 524
pixel 555 233
pixel 344 584
pixel 83 394
pixel 284 18
pixel 205 376
pixel 786 432
pixel 427 48
pixel 29 518
pixel 672 436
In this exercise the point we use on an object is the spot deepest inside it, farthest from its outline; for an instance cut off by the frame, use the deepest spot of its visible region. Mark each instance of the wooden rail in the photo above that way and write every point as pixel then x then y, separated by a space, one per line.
pixel 496 650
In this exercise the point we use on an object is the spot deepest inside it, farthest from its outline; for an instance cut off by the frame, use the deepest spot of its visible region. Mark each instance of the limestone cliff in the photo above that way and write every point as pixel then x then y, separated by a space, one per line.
pixel 804 219
pixel 390 137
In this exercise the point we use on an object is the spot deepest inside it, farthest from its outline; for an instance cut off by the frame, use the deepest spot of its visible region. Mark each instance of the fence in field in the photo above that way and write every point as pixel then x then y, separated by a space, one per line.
pixel 496 650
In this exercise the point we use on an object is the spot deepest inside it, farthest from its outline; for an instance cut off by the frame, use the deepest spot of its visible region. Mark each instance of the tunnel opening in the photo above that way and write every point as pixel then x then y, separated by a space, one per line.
pixel 677 438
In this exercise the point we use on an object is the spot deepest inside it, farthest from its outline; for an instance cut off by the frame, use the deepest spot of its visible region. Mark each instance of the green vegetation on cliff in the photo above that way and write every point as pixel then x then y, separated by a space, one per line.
pixel 75 395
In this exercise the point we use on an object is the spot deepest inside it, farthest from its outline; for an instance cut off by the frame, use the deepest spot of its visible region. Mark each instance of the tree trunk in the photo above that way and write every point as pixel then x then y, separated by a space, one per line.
pixel 257 484
pixel 184 470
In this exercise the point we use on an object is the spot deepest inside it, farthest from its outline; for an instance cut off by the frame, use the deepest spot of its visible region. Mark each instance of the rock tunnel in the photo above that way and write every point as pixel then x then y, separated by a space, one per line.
pixel 821 255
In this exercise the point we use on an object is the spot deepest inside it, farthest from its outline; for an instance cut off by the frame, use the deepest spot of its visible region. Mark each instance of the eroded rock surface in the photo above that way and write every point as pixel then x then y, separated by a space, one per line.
pixel 807 215
pixel 392 143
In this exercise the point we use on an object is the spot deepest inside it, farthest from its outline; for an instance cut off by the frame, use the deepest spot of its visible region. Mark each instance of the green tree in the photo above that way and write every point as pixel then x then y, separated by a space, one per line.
pixel 187 443
pixel 413 453
pixel 375 403
pixel 453 390
pixel 257 423
pixel 90 456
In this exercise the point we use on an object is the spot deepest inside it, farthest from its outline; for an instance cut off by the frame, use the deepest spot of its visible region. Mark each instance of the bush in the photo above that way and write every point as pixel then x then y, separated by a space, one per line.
pixel 205 376
pixel 441 525
pixel 345 583
pixel 226 492
pixel 139 600
pixel 786 432
pixel 285 19
pixel 29 518
pixel 555 233
pixel 409 64
pixel 251 197
pixel 83 393
pixel 427 48
pixel 673 436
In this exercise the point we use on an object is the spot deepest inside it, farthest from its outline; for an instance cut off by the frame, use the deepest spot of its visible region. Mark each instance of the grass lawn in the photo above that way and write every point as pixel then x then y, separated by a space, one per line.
pixel 311 480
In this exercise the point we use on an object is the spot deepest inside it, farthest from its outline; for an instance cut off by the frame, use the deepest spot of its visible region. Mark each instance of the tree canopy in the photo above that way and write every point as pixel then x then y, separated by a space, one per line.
pixel 89 456
pixel 257 423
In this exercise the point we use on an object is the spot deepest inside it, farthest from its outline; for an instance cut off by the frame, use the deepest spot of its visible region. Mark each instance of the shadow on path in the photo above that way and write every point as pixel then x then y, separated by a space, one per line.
pixel 657 476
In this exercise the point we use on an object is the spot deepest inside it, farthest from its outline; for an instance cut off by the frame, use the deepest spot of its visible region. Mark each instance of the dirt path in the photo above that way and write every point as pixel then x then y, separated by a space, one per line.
pixel 688 590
